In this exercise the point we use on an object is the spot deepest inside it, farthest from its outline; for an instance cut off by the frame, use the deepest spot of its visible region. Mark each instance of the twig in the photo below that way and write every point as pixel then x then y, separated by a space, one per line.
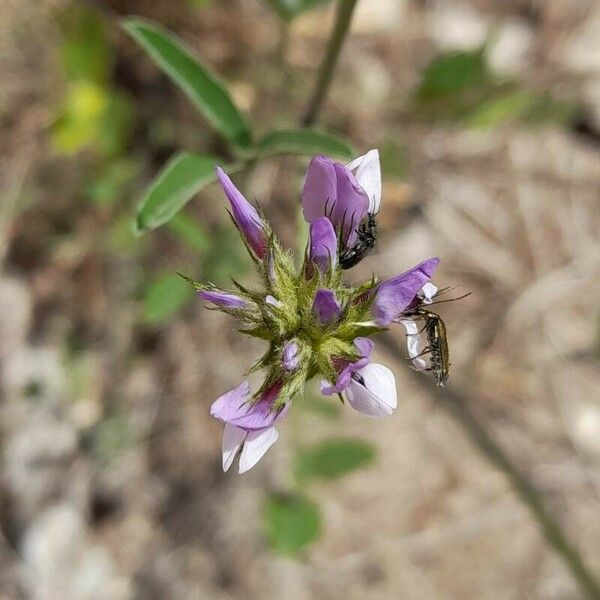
pixel 343 19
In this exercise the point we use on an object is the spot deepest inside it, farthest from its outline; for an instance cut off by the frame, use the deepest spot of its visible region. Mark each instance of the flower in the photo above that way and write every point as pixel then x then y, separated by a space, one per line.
pixel 326 307
pixel 245 216
pixel 331 190
pixel 223 299
pixel 322 246
pixel 372 391
pixel 314 323
pixel 346 368
pixel 395 295
pixel 290 357
pixel 249 428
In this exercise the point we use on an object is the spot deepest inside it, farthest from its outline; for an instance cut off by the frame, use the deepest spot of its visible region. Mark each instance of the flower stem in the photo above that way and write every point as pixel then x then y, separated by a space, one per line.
pixel 334 45
pixel 459 408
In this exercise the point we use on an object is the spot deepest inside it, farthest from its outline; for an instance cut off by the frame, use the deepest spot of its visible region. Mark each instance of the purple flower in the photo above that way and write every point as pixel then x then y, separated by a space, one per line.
pixel 322 246
pixel 248 428
pixel 326 307
pixel 395 295
pixel 372 391
pixel 245 216
pixel 331 190
pixel 289 357
pixel 223 299
pixel 346 368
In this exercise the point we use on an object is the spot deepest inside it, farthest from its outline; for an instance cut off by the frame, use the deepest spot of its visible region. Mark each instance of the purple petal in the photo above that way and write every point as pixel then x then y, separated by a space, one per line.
pixel 320 188
pixel 323 244
pixel 326 307
pixel 232 408
pixel 365 347
pixel 395 295
pixel 245 215
pixel 223 299
pixel 289 356
pixel 351 206
pixel 331 190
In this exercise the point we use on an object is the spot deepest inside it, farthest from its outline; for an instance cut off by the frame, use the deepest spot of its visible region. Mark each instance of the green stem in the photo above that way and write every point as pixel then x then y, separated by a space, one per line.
pixel 334 45
pixel 459 409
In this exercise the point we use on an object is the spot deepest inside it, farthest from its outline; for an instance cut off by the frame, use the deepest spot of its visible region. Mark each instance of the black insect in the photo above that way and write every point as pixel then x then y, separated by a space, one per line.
pixel 367 236
pixel 437 345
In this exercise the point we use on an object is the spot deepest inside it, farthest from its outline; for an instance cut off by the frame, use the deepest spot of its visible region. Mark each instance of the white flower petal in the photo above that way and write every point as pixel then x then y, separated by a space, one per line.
pixel 414 344
pixel 255 447
pixel 233 438
pixel 367 171
pixel 376 396
pixel 427 292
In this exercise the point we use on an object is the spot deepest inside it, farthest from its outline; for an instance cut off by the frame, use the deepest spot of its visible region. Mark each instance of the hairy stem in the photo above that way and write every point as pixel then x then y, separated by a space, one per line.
pixel 459 408
pixel 334 45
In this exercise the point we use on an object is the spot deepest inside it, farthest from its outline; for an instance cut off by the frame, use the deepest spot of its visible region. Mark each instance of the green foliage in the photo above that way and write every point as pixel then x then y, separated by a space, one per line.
pixel 333 458
pixel 453 73
pixel 203 88
pixel 190 231
pixel 461 87
pixel 304 142
pixel 163 297
pixel 86 54
pixel 178 182
pixel 92 114
pixel 109 181
pixel 291 522
pixel 288 9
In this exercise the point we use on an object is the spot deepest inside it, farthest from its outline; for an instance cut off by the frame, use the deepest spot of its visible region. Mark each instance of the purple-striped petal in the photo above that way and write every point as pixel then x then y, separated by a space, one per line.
pixel 395 295
pixel 320 188
pixel 331 190
pixel 247 219
pixel 223 299
pixel 351 207
pixel 326 307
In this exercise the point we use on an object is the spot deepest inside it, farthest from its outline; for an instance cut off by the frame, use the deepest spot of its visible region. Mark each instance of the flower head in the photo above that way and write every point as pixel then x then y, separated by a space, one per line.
pixel 313 322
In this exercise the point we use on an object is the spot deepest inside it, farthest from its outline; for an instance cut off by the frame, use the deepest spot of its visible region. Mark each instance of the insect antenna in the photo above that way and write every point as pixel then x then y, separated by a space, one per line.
pixel 449 299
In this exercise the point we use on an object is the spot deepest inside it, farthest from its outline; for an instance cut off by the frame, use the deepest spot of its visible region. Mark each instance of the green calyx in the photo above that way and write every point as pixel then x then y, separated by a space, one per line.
pixel 281 311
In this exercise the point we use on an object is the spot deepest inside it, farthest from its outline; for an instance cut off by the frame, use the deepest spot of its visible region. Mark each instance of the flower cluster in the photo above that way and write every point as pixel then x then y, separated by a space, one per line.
pixel 313 322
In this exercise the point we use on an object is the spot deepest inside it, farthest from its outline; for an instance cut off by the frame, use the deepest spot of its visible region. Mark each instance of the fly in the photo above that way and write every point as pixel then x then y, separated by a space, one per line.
pixel 367 236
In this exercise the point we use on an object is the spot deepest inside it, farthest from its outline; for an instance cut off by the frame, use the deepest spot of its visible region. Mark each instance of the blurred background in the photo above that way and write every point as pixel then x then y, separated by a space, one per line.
pixel 487 117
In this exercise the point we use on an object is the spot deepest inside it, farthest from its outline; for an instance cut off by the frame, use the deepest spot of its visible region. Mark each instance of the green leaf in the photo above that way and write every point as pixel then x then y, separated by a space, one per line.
pixel 190 231
pixel 333 458
pixel 305 142
pixel 202 87
pixel 453 73
pixel 288 9
pixel 86 54
pixel 291 522
pixel 164 297
pixel 178 182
